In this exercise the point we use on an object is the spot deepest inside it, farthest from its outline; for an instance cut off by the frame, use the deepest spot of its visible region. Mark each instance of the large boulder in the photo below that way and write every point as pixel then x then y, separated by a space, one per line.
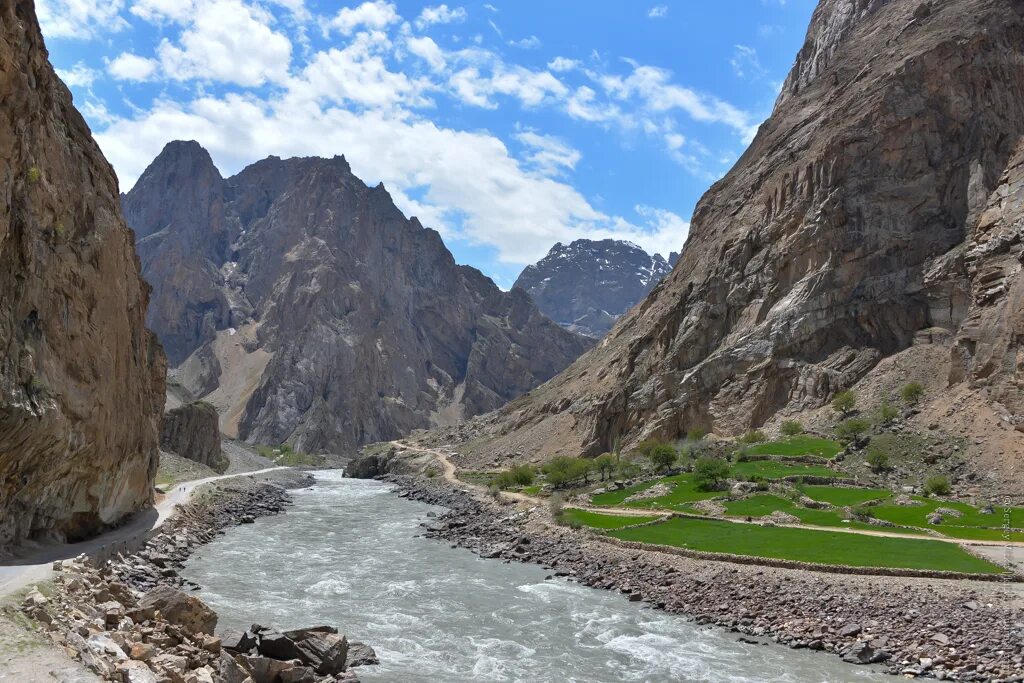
pixel 185 611
pixel 192 431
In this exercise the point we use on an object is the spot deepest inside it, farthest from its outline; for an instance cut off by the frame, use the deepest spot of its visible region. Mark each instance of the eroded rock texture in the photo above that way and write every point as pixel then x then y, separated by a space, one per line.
pixel 309 310
pixel 81 380
pixel 881 198
pixel 585 286
pixel 192 431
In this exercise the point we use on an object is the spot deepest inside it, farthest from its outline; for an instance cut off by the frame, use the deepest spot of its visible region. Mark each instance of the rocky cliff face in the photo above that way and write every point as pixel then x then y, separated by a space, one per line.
pixel 81 380
pixel 880 199
pixel 587 285
pixel 192 431
pixel 309 310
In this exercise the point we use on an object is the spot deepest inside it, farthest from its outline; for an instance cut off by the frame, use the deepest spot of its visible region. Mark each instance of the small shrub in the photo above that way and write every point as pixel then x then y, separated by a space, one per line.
pixel 887 412
pixel 555 505
pixel 852 429
pixel 877 459
pixel 696 433
pixel 709 474
pixel 33 175
pixel 753 436
pixel 520 475
pixel 861 513
pixel 844 402
pixel 662 457
pixel 431 473
pixel 628 469
pixel 792 428
pixel 911 393
pixel 58 229
pixel 937 485
pixel 645 447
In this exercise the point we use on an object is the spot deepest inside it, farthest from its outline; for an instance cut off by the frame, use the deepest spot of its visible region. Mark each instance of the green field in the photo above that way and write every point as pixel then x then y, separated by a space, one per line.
pixel 683 491
pixel 802 444
pixel 843 496
pixel 761 505
pixel 917 515
pixel 601 521
pixel 771 469
pixel 808 545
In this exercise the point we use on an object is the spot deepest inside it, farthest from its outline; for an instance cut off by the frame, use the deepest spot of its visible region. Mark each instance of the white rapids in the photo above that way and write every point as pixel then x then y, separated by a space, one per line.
pixel 349 554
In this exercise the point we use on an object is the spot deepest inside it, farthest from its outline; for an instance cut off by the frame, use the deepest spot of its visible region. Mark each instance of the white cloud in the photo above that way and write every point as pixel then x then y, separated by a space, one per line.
pixel 530 43
pixel 658 12
pixel 563 64
pixel 78 76
pixel 357 75
pixel 129 67
pixel 227 41
pixel 745 62
pixel 490 7
pixel 548 154
pixel 426 49
pixel 378 14
pixel 531 88
pixel 82 19
pixel 664 231
pixel 658 95
pixel 440 15
pixel 159 11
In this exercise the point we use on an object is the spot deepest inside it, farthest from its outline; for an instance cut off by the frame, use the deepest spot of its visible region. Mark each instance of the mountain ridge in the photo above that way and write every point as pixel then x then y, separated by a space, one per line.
pixel 295 279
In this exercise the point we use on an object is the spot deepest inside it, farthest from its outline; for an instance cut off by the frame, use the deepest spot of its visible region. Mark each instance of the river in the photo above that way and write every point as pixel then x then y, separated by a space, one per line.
pixel 348 554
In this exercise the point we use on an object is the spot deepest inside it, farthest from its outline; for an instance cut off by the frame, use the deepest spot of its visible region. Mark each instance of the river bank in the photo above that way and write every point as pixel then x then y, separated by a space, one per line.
pixel 949 630
pixel 132 618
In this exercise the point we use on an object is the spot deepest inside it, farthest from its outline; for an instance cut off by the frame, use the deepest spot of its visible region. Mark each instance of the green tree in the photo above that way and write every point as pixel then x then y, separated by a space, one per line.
pixel 887 412
pixel 662 457
pixel 877 458
pixel 564 471
pixel 605 464
pixel 792 428
pixel 911 393
pixel 844 402
pixel 520 475
pixel 709 474
pixel 937 485
pixel 850 430
pixel 645 447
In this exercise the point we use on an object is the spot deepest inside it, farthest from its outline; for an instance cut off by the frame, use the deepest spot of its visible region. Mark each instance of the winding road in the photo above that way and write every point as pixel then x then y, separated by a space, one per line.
pixel 35 563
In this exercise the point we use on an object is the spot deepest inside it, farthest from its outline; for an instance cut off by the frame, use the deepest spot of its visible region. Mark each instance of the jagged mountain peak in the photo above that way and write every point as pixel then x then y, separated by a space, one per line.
pixel 586 285
pixel 307 308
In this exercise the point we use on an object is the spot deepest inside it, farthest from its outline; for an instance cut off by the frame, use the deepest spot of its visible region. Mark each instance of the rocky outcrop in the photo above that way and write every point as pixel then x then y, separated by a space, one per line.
pixel 988 350
pixel 865 211
pixel 309 310
pixel 81 380
pixel 587 285
pixel 192 431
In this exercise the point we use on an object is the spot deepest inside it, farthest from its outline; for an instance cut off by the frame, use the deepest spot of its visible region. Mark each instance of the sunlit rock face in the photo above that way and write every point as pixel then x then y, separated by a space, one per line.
pixel 81 379
pixel 879 201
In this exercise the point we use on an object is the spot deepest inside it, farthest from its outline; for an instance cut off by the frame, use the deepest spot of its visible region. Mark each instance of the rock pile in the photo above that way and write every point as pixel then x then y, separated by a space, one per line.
pixel 949 630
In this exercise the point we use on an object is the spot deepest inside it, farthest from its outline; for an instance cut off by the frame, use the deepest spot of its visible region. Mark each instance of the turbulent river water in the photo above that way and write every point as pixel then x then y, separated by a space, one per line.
pixel 348 554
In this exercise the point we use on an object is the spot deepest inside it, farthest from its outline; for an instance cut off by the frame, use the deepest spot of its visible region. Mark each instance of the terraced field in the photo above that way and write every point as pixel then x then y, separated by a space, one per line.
pixel 808 545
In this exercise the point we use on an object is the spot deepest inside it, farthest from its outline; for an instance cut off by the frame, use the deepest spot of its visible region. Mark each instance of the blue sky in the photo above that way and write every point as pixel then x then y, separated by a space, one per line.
pixel 507 125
